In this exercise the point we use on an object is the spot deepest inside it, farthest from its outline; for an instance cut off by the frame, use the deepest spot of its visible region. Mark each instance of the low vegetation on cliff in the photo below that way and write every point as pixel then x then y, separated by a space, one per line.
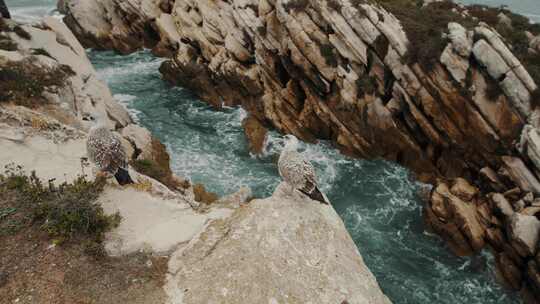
pixel 425 25
pixel 67 213
pixel 24 83
pixel 51 247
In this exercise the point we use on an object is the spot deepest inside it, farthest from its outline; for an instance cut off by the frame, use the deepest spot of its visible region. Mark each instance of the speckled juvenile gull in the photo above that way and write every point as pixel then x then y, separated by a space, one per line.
pixel 298 172
pixel 105 150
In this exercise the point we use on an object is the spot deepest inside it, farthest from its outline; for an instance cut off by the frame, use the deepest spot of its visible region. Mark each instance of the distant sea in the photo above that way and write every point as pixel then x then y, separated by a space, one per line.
pixel 529 8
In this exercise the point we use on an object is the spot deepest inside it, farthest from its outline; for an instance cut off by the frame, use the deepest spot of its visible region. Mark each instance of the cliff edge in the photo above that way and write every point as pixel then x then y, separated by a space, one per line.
pixel 448 90
pixel 163 246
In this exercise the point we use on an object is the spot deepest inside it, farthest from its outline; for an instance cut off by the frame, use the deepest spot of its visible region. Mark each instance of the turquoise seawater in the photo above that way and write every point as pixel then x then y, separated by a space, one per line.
pixel 529 8
pixel 376 199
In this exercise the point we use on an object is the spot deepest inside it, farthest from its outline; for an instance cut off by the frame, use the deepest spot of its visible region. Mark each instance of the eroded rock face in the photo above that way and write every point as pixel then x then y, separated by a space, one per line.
pixel 506 223
pixel 119 25
pixel 50 50
pixel 339 70
pixel 457 220
pixel 49 46
pixel 255 133
pixel 524 233
pixel 283 249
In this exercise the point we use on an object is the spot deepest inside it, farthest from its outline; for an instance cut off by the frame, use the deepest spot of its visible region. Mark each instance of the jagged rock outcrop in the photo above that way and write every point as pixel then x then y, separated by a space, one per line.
pixel 47 69
pixel 359 73
pixel 41 129
pixel 283 249
pixel 120 25
pixel 340 72
pixel 50 46
pixel 255 133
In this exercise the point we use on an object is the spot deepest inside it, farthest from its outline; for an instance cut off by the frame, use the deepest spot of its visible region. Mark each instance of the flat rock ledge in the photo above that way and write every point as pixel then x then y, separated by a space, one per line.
pixel 282 249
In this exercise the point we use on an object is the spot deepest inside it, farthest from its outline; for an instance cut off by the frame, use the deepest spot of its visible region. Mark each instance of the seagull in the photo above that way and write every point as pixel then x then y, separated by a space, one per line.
pixel 105 149
pixel 298 172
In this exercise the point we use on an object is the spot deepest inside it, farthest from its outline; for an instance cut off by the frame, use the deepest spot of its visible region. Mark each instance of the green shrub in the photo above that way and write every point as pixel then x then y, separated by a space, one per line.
pixel 366 85
pixel 335 5
pixel 330 57
pixel 67 212
pixel 23 83
pixel 7 45
pixel 424 26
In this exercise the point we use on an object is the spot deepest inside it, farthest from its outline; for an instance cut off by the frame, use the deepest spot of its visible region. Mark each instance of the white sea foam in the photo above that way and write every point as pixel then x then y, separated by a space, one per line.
pixel 126 101
pixel 117 73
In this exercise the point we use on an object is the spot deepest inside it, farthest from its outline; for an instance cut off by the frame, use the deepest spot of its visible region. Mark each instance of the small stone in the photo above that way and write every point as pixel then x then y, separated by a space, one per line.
pixel 524 233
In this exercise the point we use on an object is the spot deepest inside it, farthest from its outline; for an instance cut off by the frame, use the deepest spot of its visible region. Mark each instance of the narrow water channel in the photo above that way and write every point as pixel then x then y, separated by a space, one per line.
pixel 376 199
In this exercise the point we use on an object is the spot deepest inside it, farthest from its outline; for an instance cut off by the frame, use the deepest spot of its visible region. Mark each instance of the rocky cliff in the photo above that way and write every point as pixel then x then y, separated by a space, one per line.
pixel 447 90
pixel 282 249
pixel 47 83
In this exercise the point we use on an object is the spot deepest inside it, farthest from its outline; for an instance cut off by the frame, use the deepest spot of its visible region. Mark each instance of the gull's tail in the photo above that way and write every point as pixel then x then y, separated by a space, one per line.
pixel 122 177
pixel 316 195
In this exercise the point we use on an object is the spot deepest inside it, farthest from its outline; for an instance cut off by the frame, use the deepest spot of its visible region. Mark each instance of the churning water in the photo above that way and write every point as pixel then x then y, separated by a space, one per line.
pixel 376 199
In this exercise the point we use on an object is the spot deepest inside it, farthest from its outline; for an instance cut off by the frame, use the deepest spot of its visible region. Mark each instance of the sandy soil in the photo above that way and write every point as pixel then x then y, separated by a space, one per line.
pixel 34 271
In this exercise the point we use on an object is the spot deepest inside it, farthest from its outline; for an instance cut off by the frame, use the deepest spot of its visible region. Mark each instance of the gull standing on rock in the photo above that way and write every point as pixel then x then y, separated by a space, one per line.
pixel 298 172
pixel 105 150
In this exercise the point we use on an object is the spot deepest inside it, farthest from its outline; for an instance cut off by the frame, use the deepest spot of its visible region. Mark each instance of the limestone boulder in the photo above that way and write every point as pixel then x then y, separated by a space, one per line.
pixel 524 233
pixel 255 133
pixel 489 58
pixel 501 206
pixel 141 140
pixel 461 39
pixel 309 257
pixel 520 174
pixel 456 65
pixel 534 43
pixel 458 221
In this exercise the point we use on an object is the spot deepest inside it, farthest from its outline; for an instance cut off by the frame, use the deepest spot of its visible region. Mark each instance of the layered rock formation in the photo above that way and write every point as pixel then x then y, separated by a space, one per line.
pixel 283 249
pixel 339 70
pixel 458 105
pixel 48 83
pixel 359 73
